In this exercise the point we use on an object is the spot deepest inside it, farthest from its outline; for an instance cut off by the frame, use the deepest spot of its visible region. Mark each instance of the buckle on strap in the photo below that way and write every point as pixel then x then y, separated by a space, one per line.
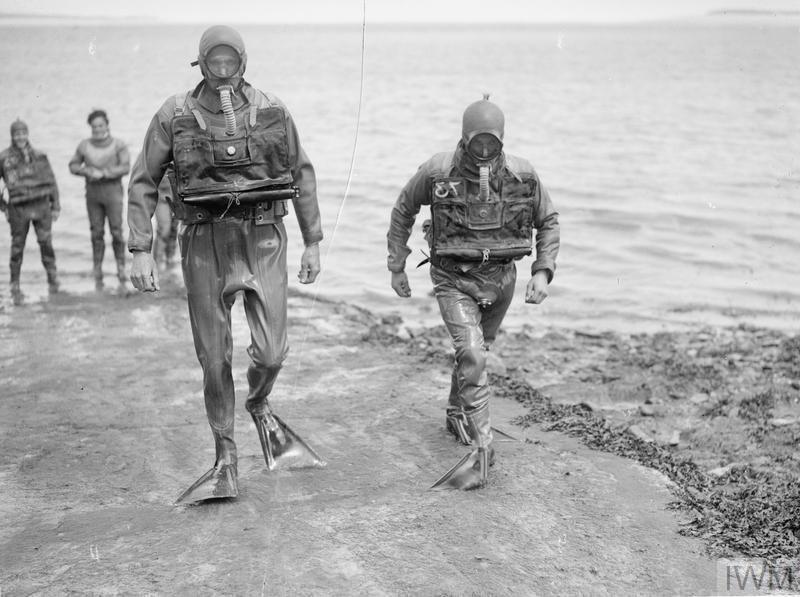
pixel 485 256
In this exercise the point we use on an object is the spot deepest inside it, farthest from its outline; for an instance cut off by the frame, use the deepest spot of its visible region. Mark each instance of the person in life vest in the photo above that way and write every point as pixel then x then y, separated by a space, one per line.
pixel 103 160
pixel 236 159
pixel 32 199
pixel 485 206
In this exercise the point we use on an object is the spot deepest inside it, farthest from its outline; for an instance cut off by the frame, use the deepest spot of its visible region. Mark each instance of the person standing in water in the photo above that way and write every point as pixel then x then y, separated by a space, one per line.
pixel 103 160
pixel 32 199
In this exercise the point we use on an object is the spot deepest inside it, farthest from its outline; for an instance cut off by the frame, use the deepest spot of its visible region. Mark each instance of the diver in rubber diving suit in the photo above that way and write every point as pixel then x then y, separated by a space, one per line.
pixel 237 159
pixel 485 205
pixel 32 199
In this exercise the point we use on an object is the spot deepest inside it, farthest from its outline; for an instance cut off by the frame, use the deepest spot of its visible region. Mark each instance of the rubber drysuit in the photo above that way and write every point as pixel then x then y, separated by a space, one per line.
pixel 485 206
pixel 32 199
pixel 103 160
pixel 237 158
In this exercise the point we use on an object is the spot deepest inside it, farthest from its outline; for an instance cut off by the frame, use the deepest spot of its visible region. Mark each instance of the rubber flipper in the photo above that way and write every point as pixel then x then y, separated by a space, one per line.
pixel 282 447
pixel 502 436
pixel 220 482
pixel 471 472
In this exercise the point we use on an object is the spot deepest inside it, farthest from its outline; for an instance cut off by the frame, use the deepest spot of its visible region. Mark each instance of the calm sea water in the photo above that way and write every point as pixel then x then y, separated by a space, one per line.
pixel 671 151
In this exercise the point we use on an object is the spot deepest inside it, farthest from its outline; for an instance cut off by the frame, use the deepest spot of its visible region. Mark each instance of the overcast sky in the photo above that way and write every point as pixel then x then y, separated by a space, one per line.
pixel 231 11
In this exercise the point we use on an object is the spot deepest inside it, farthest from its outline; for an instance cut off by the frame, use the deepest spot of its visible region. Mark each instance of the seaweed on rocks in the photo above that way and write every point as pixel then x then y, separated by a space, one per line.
pixel 596 433
pixel 789 357
pixel 747 511
pixel 750 511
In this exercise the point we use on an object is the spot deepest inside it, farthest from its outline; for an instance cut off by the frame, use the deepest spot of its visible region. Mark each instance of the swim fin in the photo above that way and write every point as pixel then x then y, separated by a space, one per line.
pixel 282 447
pixel 502 436
pixel 470 472
pixel 220 482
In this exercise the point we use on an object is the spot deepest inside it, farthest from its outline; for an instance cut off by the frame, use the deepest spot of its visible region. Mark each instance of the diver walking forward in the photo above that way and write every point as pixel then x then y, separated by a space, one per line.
pixel 485 205
pixel 237 159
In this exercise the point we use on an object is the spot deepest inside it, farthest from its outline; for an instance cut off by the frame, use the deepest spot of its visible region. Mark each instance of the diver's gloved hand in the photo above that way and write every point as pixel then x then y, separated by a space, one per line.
pixel 400 284
pixel 309 264
pixel 536 291
pixel 144 274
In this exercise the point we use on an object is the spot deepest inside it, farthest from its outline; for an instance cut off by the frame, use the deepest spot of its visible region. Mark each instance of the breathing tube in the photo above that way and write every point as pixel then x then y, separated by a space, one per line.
pixel 225 101
pixel 484 171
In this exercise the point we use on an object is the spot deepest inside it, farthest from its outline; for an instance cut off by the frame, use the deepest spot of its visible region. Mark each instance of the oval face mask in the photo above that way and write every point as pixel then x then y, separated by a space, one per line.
pixel 485 147
pixel 223 62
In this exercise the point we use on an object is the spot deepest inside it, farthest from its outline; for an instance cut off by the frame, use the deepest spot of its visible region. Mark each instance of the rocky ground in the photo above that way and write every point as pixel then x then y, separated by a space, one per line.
pixel 634 453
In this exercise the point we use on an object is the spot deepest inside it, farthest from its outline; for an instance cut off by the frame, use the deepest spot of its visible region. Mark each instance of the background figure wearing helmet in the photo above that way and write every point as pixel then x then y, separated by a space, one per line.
pixel 485 206
pixel 236 159
pixel 103 160
pixel 32 199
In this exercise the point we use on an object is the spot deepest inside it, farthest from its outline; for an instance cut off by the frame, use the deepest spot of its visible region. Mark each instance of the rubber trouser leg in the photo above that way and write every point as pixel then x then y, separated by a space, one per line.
pixel 462 316
pixel 43 226
pixel 20 224
pixel 97 222
pixel 210 295
pixel 455 420
pixel 265 299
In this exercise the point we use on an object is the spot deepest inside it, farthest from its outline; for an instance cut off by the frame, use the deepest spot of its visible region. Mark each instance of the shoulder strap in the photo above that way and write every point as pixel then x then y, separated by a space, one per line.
pixel 258 99
pixel 183 101
pixel 180 102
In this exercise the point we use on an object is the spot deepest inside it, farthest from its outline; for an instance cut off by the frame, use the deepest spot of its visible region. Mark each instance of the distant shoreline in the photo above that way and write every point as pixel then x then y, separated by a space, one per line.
pixel 753 12
pixel 11 19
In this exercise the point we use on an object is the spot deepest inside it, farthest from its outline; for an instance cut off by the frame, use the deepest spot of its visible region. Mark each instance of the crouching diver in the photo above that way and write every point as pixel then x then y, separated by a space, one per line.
pixel 485 205
pixel 236 159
